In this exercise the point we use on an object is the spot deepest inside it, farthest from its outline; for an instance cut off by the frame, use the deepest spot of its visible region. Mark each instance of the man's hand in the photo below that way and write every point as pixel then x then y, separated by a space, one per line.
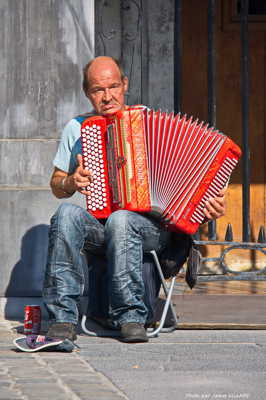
pixel 215 207
pixel 80 179
pixel 64 185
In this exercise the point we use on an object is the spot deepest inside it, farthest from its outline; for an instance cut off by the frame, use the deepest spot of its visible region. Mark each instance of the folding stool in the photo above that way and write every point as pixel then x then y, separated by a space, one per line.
pixel 168 306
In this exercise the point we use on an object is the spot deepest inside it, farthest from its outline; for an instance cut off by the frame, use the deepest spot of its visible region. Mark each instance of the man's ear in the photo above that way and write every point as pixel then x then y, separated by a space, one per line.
pixel 125 83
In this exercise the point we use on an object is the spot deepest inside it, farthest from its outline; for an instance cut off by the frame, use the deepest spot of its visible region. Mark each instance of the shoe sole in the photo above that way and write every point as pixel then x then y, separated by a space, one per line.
pixel 22 345
pixel 135 339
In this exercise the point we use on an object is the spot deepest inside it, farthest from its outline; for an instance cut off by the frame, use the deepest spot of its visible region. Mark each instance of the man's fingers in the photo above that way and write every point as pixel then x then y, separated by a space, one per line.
pixel 83 179
pixel 210 213
pixel 214 208
pixel 220 201
pixel 83 171
pixel 82 183
pixel 222 192
pixel 215 212
pixel 84 191
pixel 83 174
pixel 207 214
pixel 80 160
pixel 88 173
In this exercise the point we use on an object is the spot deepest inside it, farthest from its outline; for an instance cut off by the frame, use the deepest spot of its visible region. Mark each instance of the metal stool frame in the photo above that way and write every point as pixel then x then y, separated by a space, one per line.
pixel 168 291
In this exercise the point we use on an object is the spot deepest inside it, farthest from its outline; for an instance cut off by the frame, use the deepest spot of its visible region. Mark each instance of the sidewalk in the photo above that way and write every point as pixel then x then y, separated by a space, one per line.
pixel 49 375
pixel 183 365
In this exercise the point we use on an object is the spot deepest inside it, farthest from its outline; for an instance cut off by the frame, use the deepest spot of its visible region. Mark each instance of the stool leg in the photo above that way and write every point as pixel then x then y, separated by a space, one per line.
pixel 168 304
pixel 101 333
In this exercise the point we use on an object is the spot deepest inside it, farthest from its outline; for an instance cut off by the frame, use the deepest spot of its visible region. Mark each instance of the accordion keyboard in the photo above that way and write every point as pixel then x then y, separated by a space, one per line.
pixel 94 159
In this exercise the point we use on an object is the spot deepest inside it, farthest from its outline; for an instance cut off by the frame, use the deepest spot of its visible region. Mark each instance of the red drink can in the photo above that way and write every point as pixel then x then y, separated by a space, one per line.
pixel 32 320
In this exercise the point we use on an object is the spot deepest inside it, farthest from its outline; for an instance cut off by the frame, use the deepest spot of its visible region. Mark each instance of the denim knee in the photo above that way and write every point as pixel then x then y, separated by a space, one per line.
pixel 119 221
pixel 69 218
pixel 68 213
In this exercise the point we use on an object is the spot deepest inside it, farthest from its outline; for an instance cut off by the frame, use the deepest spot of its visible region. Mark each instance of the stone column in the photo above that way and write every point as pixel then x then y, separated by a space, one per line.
pixel 44 45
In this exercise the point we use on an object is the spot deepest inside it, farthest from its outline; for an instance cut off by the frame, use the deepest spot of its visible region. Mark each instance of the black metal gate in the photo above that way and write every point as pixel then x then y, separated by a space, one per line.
pixel 229 244
pixel 122 31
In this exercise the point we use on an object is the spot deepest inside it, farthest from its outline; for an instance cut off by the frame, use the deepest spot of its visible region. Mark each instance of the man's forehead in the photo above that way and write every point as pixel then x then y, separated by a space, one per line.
pixel 103 71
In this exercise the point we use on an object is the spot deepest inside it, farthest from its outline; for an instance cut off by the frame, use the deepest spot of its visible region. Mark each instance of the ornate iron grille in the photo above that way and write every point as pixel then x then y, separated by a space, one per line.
pixel 122 31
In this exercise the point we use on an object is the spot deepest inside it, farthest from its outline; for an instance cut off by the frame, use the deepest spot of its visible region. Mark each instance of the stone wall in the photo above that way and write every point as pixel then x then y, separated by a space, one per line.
pixel 44 45
pixel 141 34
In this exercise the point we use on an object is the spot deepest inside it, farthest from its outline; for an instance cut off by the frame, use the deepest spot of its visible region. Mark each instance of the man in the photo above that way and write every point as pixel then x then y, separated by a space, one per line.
pixel 124 237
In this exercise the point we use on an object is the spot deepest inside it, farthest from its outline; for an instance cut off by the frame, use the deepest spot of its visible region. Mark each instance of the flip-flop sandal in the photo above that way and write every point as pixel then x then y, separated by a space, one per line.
pixel 33 343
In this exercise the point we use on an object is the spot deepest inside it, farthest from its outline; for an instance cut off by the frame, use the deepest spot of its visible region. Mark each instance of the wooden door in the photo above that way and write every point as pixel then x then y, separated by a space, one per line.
pixel 229 103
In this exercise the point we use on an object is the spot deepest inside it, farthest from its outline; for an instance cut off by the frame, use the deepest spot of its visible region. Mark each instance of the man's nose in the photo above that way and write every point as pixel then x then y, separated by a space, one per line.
pixel 107 95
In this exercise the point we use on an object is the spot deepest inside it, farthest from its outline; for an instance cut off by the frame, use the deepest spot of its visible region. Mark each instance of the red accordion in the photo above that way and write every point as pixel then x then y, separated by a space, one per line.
pixel 150 161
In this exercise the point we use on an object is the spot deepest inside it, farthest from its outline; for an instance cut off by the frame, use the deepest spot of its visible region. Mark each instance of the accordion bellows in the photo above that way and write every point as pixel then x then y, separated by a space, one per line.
pixel 154 162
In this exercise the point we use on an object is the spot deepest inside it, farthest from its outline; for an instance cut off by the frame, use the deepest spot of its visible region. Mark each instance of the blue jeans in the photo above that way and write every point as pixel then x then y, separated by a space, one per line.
pixel 124 238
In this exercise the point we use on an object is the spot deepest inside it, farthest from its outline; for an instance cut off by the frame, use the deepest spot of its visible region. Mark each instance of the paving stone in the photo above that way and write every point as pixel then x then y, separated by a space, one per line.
pixel 27 372
pixel 88 380
pixel 77 374
pixel 96 396
pixel 21 363
pixel 60 362
pixel 14 355
pixel 92 387
pixel 99 395
pixel 45 396
pixel 5 383
pixel 50 392
pixel 68 367
pixel 6 394
pixel 39 387
pixel 36 380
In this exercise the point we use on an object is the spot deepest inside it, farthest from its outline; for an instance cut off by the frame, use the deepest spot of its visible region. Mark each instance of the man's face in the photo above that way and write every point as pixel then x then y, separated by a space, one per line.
pixel 107 89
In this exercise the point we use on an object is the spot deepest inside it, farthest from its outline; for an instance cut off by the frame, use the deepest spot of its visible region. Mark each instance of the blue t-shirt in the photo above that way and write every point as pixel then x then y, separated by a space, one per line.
pixel 70 145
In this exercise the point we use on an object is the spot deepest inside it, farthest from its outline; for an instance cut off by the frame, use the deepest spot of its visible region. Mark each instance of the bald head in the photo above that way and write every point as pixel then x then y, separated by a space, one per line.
pixel 95 64
pixel 105 85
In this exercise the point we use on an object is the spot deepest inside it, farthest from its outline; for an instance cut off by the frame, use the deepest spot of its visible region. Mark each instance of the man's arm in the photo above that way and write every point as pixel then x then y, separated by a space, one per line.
pixel 64 185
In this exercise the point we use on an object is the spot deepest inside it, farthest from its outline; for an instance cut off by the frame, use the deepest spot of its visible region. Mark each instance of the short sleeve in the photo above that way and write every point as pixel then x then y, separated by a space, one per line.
pixel 70 135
